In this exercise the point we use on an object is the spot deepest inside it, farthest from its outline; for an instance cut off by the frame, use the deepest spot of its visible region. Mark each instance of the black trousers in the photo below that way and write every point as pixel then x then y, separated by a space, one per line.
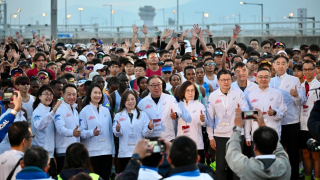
pixel 290 142
pixel 202 157
pixel 123 163
pixel 60 163
pixel 53 168
pixel 102 165
pixel 221 172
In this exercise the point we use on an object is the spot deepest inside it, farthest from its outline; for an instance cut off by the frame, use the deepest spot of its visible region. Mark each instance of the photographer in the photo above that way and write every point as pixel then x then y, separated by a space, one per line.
pixel 271 161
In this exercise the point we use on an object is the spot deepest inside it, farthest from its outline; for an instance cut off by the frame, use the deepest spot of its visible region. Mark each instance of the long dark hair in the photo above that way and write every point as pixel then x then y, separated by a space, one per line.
pixel 124 99
pixel 77 156
pixel 39 93
pixel 88 97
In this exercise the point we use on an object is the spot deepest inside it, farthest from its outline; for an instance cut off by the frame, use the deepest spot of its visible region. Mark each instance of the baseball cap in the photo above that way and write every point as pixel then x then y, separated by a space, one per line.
pixel 100 53
pixel 129 61
pixel 98 66
pixel 143 55
pixel 90 52
pixel 279 44
pixel 81 81
pixel 166 68
pixel 92 74
pixel 24 63
pixel 249 49
pixel 82 58
pixel 279 52
pixel 296 49
pixel 42 72
pixel 252 59
pixel 119 49
pixel 15 70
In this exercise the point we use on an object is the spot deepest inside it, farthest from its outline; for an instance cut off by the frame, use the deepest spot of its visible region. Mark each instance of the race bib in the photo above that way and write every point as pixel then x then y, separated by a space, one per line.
pixel 186 130
pixel 132 140
pixel 157 124
pixel 305 111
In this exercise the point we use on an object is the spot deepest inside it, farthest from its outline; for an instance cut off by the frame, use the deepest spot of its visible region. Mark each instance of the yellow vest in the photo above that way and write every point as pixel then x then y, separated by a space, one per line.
pixel 93 175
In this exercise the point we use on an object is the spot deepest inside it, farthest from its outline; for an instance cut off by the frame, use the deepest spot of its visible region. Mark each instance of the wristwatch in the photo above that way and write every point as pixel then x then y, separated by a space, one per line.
pixel 136 156
pixel 275 113
pixel 236 128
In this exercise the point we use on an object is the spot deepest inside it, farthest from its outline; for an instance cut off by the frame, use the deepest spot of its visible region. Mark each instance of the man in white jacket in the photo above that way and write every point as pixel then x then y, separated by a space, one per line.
pixel 294 98
pixel 66 123
pixel 271 103
pixel 221 109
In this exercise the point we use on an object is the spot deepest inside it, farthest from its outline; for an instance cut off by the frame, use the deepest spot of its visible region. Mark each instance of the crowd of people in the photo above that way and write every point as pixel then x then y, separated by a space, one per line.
pixel 89 111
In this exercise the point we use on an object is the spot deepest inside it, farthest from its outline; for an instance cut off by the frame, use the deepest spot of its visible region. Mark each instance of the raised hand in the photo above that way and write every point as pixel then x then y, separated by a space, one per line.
pixel 15 55
pixel 173 115
pixel 170 32
pixel 145 30
pixel 208 32
pixel 57 106
pixel 176 45
pixel 150 125
pixel 294 92
pixel 134 29
pixel 202 117
pixel 96 132
pixel 238 119
pixel 193 41
pixel 236 30
pixel 118 126
pixel 76 132
pixel 259 117
pixel 270 111
pixel 197 29
pixel 193 33
pixel 43 39
pixel 185 33
pixel 53 42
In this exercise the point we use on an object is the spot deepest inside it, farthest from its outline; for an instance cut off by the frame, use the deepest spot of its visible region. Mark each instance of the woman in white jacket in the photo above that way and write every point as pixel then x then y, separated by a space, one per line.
pixel 42 124
pixel 193 116
pixel 130 125
pixel 96 131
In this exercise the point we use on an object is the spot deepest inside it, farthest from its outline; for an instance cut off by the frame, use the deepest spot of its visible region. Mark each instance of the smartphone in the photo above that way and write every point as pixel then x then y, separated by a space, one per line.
pixel 156 147
pixel 175 35
pixel 248 115
pixel 8 96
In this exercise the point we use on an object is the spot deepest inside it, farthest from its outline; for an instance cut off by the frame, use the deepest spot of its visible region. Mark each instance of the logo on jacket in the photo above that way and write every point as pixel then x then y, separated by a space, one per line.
pixel 271 99
pixel 91 117
pixel 254 100
pixel 37 118
pixel 148 106
pixel 217 101
pixel 234 98
pixel 68 114
pixel 57 117
pixel 217 85
pixel 194 111
pixel 287 86
pixel 164 103
pixel 122 119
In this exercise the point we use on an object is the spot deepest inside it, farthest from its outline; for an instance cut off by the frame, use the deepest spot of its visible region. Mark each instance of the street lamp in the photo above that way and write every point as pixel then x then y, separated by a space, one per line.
pixel 290 14
pixel 14 18
pixel 19 15
pixel 244 3
pixel 80 9
pixel 202 17
pixel 313 18
pixel 163 15
pixel 68 17
pixel 110 15
pixel 174 16
pixel 44 18
pixel 238 14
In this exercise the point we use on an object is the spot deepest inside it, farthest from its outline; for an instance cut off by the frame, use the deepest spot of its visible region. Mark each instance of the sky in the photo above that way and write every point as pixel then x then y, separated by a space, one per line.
pixel 126 11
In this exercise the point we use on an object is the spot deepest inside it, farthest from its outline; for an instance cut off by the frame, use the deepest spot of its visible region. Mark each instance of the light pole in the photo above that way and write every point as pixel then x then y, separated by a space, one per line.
pixel 313 18
pixel 163 15
pixel 44 18
pixel 202 17
pixel 206 15
pixel 68 17
pixel 238 14
pixel 19 15
pixel 80 9
pixel 14 18
pixel 174 16
pixel 110 15
pixel 261 11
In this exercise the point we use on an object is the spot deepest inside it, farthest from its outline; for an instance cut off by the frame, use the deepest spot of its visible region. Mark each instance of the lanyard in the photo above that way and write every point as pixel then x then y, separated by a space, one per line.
pixel 96 117
pixel 262 103
pixel 274 82
pixel 73 118
pixel 225 106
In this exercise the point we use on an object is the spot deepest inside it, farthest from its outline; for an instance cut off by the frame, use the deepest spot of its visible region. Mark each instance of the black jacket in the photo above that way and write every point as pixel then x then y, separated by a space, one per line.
pixel 314 121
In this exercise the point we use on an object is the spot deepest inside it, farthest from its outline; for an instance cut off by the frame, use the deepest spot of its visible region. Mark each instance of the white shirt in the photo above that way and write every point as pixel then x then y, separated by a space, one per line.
pixel 221 111
pixel 90 118
pixel 130 132
pixel 28 107
pixel 189 124
pixel 307 107
pixel 250 87
pixel 285 83
pixel 168 86
pixel 42 126
pixel 160 113
pixel 263 99
pixel 146 173
pixel 65 121
pixel 214 82
pixel 8 161
pixel 202 176
pixel 183 79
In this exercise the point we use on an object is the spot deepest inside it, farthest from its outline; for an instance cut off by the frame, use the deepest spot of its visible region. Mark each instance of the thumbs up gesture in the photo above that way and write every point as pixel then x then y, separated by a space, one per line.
pixel 202 117
pixel 270 111
pixel 96 132
pixel 76 132
pixel 294 92
pixel 150 125
pixel 118 126
pixel 173 115
pixel 238 110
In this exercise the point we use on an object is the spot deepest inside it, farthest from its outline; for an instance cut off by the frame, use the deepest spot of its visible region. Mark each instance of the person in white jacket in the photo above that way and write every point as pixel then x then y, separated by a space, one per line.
pixel 193 116
pixel 96 134
pixel 270 101
pixel 162 108
pixel 311 83
pixel 42 124
pixel 294 98
pixel 221 111
pixel 66 123
pixel 130 125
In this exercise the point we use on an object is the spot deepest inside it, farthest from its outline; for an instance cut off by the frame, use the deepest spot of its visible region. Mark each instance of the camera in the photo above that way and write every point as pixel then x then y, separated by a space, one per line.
pixel 248 115
pixel 156 147
pixel 8 96
pixel 313 145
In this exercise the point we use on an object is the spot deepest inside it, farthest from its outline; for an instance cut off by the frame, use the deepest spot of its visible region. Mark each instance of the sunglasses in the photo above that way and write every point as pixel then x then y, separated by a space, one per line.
pixel 89 68
pixel 265 62
pixel 210 64
pixel 68 69
pixel 278 44
pixel 230 55
pixel 70 80
pixel 24 67
pixel 43 77
pixel 17 75
pixel 194 58
pixel 166 72
pixel 100 56
pixel 142 54
pixel 154 56
pixel 218 53
pixel 101 70
pixel 24 83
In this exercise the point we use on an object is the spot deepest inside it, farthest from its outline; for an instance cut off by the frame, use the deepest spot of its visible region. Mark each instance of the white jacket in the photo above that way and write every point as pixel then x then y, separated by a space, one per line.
pixel 160 113
pixel 307 107
pixel 250 87
pixel 285 83
pixel 130 133
pixel 90 118
pixel 65 121
pixel 42 127
pixel 263 99
pixel 5 144
pixel 221 109
pixel 189 124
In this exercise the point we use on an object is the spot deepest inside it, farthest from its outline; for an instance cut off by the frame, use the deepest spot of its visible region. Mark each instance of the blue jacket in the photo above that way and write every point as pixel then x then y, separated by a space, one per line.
pixel 32 172
pixel 5 122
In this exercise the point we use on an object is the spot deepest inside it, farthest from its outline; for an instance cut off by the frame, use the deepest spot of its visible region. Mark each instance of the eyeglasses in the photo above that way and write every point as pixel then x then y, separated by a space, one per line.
pixel 142 54
pixel 89 68
pixel 210 64
pixel 48 95
pixel 263 77
pixel 43 77
pixel 17 75
pixel 224 80
pixel 154 56
pixel 24 83
pixel 155 85
pixel 166 72
pixel 307 70
pixel 24 67
pixel 68 69
pixel 218 53
pixel 266 47
pixel 70 80
pixel 194 58
pixel 31 136
pixel 231 55
pixel 190 91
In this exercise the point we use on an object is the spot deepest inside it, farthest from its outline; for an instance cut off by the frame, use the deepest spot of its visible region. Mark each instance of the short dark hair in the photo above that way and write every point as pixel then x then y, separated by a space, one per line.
pixel 168 60
pixel 243 47
pixel 90 63
pixel 232 50
pixel 63 66
pixel 311 56
pixel 154 77
pixel 170 78
pixel 90 89
pixel 232 59
pixel 17 132
pixel 254 53
pixel 263 69
pixel 73 61
pixel 314 47
pixel 211 44
pixel 123 60
pixel 279 56
pixel 272 40
pixel 68 76
pixel 239 64
pixel 114 63
pixel 297 66
pixel 188 67
pixel 183 151
pixel 265 139
pixel 207 53
pixel 254 40
pixel 185 57
pixel 223 71
pixel 265 42
pixel 6 82
pixel 68 85
pixel 154 159
pixel 163 51
pixel 309 61
pixel 304 48
pixel 77 156
pixel 36 156
pixel 39 54
pixel 289 51
pixel 151 51
pixel 183 88
pixel 140 63
pixel 21 79
pixel 54 82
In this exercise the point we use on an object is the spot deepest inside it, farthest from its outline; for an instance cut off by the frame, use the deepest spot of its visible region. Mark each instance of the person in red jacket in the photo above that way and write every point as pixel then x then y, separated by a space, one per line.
pixel 40 61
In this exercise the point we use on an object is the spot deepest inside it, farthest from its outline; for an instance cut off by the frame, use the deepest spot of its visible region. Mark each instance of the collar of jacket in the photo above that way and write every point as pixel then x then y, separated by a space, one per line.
pixel 32 172
pixel 43 107
pixel 68 105
pixel 190 170
pixel 94 106
pixel 150 98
